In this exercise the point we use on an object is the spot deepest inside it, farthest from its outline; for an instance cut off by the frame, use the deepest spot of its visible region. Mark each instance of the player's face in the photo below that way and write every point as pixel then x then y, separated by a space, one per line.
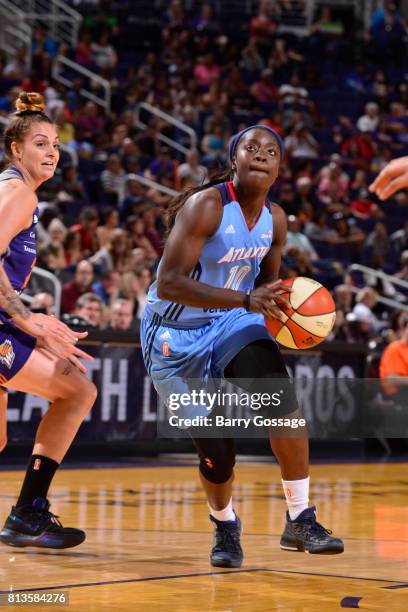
pixel 257 158
pixel 39 152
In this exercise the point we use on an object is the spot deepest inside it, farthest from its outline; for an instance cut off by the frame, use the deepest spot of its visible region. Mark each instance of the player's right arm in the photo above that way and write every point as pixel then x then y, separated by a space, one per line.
pixel 17 206
pixel 195 223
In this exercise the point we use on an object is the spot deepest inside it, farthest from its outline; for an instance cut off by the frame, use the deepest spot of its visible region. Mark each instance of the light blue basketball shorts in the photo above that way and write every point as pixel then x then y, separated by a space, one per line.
pixel 175 354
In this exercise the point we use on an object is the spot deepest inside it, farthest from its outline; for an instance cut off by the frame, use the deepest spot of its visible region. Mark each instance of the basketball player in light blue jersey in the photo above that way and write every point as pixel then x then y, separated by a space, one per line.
pixel 205 320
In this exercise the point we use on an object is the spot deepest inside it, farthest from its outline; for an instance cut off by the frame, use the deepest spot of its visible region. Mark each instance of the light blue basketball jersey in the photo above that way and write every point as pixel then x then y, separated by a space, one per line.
pixel 230 259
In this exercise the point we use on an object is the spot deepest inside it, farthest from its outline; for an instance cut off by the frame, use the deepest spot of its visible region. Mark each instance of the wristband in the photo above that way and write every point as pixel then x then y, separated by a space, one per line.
pixel 247 300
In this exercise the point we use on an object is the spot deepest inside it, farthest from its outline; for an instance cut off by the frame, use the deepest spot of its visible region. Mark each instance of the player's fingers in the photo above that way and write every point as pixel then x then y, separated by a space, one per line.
pixel 75 361
pixel 79 353
pixel 80 335
pixel 395 185
pixel 283 301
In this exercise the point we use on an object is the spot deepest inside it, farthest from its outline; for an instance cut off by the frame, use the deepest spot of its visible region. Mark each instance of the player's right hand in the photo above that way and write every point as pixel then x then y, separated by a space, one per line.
pixel 43 326
pixel 268 297
pixel 66 350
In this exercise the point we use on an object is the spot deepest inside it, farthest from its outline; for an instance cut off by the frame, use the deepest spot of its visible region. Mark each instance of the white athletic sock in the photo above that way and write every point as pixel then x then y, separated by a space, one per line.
pixel 227 514
pixel 297 496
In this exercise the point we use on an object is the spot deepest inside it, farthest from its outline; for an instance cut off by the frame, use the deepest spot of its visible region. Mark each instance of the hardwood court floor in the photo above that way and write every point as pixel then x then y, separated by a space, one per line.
pixel 149 538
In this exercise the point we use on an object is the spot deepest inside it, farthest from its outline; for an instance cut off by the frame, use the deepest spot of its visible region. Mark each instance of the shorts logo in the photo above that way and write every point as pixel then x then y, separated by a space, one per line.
pixel 165 349
pixel 7 354
pixel 208 462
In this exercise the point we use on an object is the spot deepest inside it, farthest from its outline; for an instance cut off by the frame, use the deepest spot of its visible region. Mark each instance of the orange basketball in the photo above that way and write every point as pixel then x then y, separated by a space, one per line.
pixel 310 318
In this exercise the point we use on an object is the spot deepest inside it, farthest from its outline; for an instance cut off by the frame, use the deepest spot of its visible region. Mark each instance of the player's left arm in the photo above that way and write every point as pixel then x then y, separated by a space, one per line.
pixel 271 263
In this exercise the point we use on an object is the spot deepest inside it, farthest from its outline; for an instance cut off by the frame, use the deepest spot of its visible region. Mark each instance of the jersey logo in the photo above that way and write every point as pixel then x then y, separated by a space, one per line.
pixel 230 229
pixel 35 219
pixel 165 335
pixel 267 234
pixel 7 354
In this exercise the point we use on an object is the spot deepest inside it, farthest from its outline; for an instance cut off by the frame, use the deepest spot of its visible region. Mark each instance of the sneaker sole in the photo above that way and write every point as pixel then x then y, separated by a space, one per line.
pixel 226 564
pixel 21 540
pixel 327 551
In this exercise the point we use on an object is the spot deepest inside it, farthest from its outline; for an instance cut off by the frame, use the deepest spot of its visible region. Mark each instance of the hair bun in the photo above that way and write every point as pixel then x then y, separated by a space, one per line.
pixel 30 101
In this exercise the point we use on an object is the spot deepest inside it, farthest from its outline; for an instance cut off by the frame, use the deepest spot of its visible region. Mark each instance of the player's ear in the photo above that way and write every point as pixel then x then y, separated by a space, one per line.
pixel 233 164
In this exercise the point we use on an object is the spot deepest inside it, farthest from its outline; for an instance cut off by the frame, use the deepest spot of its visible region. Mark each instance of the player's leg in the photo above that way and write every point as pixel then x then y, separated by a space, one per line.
pixel 71 395
pixel 3 418
pixel 216 468
pixel 261 361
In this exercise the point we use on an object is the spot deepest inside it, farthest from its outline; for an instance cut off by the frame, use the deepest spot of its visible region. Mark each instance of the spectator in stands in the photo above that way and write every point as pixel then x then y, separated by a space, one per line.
pixel 109 223
pixel 252 61
pixel 362 312
pixel 283 58
pixel 88 222
pixel 206 71
pixel 57 233
pixel 121 315
pixel 318 228
pixel 378 240
pixel 347 233
pixel 397 324
pixel 89 308
pixel 89 122
pixel 72 248
pixel 363 207
pixel 300 144
pixel 369 121
pixel 403 273
pixel 343 298
pixel 293 93
pixel 399 239
pixel 43 302
pixel 264 25
pixel 108 288
pixel 332 189
pixel 115 255
pixel 83 51
pixel 113 180
pixel 162 167
pixel 264 90
pixel 296 238
pixel 358 151
pixel 81 284
pixel 191 173
pixel 398 122
pixel 213 146
pixel 150 230
pixel 104 55
pixel 73 188
pixel 394 366
pixel 136 231
pixel 134 287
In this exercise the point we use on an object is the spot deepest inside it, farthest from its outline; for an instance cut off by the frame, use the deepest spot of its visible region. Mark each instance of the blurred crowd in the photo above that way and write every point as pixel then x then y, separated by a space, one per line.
pixel 337 96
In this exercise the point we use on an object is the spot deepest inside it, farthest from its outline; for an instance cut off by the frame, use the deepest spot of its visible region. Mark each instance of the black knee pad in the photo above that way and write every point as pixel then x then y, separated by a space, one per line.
pixel 217 458
pixel 260 362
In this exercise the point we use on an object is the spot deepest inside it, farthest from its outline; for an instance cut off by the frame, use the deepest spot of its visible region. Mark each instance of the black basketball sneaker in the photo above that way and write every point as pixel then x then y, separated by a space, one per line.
pixel 35 526
pixel 305 534
pixel 226 550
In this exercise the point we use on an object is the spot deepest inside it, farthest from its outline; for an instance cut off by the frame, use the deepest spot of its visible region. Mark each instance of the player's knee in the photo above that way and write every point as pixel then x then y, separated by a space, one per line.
pixel 217 470
pixel 84 390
